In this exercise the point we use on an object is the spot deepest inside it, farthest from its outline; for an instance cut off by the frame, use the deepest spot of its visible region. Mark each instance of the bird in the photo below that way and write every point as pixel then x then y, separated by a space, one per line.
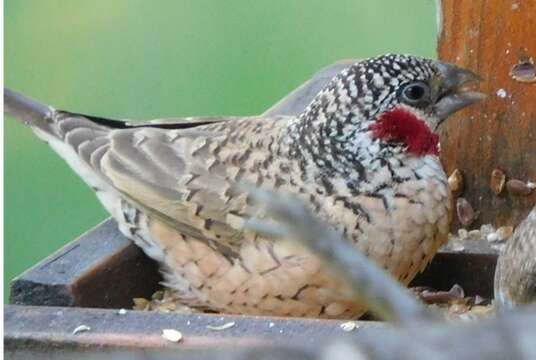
pixel 363 156
pixel 515 275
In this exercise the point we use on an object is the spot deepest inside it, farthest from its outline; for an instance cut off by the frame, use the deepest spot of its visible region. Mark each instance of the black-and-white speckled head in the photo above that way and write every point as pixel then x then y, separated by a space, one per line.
pixel 423 91
pixel 382 83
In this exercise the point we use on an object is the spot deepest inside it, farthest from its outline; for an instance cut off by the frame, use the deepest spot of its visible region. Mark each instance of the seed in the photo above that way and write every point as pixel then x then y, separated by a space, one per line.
pixel 349 326
pixel 493 237
pixel 463 234
pixel 457 291
pixel 502 93
pixel 455 182
pixel 524 71
pixel 474 234
pixel 465 212
pixel 140 303
pixel 172 335
pixel 221 327
pixel 518 187
pixel 505 232
pixel 81 328
pixel 158 295
pixel 498 179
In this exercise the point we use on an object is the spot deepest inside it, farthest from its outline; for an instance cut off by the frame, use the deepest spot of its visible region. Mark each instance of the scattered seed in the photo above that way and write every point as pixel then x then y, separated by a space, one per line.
pixel 505 232
pixel 172 335
pixel 81 329
pixel 493 237
pixel 481 311
pixel 221 327
pixel 463 234
pixel 457 291
pixel 479 300
pixel 502 93
pixel 459 308
pixel 456 247
pixel 140 303
pixel 475 234
pixel 455 182
pixel 349 326
pixel 518 187
pixel 498 179
pixel 158 295
pixel 524 71
pixel 465 211
pixel 486 229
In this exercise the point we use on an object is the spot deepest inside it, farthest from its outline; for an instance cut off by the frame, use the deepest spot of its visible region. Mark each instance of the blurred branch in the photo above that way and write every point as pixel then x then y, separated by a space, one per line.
pixel 369 284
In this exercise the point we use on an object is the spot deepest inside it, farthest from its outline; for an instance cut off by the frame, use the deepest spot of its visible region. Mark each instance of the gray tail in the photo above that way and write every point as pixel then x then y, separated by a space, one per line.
pixel 28 111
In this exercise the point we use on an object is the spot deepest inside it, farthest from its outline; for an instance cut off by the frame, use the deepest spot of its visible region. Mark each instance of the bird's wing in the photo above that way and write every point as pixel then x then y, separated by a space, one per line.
pixel 172 171
pixel 152 164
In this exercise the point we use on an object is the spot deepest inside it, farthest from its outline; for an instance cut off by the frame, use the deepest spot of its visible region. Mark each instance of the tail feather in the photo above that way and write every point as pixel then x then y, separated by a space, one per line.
pixel 68 134
pixel 47 121
pixel 28 111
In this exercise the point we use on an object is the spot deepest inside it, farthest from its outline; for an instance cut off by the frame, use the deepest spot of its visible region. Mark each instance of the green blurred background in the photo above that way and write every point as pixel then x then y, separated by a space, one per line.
pixel 144 59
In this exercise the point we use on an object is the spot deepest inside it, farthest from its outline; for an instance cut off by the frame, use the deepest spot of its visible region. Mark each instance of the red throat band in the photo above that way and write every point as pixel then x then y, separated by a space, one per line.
pixel 400 125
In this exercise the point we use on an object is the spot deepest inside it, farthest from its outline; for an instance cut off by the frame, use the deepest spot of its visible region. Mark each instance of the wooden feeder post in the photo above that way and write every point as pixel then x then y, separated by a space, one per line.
pixel 497 40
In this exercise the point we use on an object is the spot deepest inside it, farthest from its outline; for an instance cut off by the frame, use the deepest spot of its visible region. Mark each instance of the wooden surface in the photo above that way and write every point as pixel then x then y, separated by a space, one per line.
pixel 47 333
pixel 102 268
pixel 490 37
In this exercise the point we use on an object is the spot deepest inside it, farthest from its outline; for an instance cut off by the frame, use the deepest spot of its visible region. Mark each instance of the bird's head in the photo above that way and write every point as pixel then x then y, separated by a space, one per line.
pixel 398 100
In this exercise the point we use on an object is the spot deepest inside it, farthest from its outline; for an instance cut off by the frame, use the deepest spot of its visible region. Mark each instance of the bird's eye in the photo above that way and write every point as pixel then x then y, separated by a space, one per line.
pixel 417 93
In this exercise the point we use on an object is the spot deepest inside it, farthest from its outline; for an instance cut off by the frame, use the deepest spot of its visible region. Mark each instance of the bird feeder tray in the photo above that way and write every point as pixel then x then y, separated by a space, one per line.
pixel 89 280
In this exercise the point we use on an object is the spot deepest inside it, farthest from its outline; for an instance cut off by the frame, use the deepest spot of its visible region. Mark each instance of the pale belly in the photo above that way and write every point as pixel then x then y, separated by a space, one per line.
pixel 280 278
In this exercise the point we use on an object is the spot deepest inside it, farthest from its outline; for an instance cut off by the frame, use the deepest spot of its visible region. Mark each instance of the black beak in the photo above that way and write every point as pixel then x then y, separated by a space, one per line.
pixel 452 95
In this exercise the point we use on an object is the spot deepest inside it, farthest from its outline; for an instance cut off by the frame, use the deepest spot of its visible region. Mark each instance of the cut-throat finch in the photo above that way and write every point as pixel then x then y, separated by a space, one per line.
pixel 363 155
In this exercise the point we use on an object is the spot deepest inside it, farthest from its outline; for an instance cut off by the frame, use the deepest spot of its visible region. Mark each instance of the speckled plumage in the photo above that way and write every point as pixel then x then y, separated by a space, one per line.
pixel 172 189
pixel 515 276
